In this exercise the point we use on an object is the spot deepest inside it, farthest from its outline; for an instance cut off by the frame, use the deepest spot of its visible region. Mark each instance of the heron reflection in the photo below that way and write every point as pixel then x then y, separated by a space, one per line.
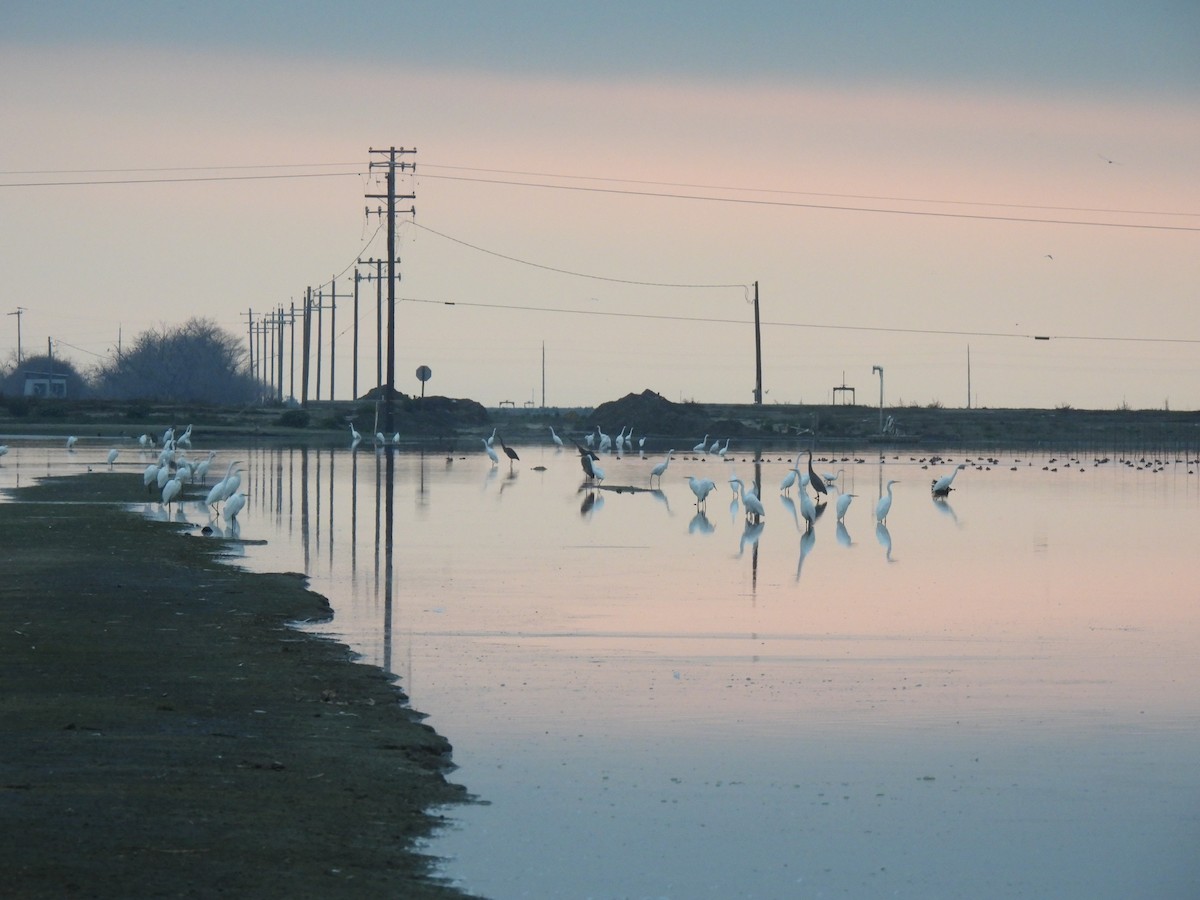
pixel 750 536
pixel 700 524
pixel 808 540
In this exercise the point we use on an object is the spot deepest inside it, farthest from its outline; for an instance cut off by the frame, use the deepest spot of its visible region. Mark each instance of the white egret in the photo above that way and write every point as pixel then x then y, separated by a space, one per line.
pixel 808 509
pixel 396 438
pixel 660 468
pixel 490 452
pixel 789 479
pixel 597 472
pixel 171 490
pixel 941 486
pixel 832 479
pixel 164 475
pixel 380 439
pixel 355 437
pixel 700 447
pixel 71 442
pixel 185 439
pixel 3 449
pixel 144 441
pixel 750 501
pixel 234 506
pixel 843 504
pixel 885 504
pixel 586 458
pixel 150 476
pixel 112 456
pixel 491 439
pixel 558 442
pixel 721 453
pixel 716 445
pixel 701 487
pixel 201 470
pixel 218 494
pixel 604 442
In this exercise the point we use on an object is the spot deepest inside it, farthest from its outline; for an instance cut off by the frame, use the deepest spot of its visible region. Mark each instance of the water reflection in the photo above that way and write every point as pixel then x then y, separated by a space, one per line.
pixel 620 688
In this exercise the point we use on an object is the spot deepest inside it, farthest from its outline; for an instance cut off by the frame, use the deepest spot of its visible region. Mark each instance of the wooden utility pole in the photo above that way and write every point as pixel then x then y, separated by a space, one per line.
pixel 391 166
pixel 354 368
pixel 758 393
pixel 306 344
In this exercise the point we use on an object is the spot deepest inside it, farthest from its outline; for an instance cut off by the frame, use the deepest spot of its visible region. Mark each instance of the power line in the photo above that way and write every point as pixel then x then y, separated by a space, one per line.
pixel 526 262
pixel 820 325
pixel 180 180
pixel 821 206
pixel 883 198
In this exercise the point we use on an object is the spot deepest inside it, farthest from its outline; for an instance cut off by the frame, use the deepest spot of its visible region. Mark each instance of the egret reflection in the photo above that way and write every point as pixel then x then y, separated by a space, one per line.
pixel 942 505
pixel 843 536
pixel 885 540
pixel 700 524
pixel 808 540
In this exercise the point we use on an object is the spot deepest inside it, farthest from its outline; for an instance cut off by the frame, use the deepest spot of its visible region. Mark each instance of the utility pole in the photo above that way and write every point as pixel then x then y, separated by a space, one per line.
pixel 305 346
pixel 391 165
pixel 292 355
pixel 757 351
pixel 18 312
pixel 279 355
pixel 333 298
pixel 250 337
pixel 354 368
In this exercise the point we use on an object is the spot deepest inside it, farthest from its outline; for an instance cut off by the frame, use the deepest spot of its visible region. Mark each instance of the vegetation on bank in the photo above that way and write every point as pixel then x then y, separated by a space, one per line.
pixel 457 423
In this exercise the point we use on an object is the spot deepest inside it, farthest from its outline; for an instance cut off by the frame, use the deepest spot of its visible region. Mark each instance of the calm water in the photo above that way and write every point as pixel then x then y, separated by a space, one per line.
pixel 996 696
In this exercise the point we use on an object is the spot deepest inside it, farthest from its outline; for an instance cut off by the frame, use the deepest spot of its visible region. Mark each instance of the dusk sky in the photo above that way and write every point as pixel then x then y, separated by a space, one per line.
pixel 904 181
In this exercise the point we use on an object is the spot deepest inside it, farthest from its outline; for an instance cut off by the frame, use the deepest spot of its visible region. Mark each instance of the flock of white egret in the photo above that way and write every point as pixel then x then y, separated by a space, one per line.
pixel 173 469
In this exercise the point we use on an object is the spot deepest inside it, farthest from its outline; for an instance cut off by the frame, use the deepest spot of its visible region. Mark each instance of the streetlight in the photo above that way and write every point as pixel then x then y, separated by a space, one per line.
pixel 879 369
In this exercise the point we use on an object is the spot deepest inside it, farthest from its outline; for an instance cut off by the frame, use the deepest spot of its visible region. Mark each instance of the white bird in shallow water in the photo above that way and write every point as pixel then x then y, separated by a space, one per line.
pixel 71 442
pixel 112 456
pixel 554 437
pixel 884 506
pixel 701 487
pixel 941 486
pixel 808 509
pixel 226 486
pixel 234 506
pixel 660 468
pixel 843 504
pixel 789 479
pixel 700 447
pixel 171 490
pixel 490 452
pixel 754 507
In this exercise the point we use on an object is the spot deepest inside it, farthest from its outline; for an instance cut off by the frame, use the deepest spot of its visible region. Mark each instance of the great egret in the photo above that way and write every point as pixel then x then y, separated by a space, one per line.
pixel 490 452
pixel 112 456
pixel 396 438
pixel 491 439
pixel 754 507
pixel 171 490
pixel 597 472
pixel 3 449
pixel 885 504
pixel 71 442
pixel 941 486
pixel 721 453
pixel 558 442
pixel 814 479
pixel 700 447
pixel 660 468
pixel 832 479
pixel 218 494
pixel 355 437
pixel 716 445
pixel 164 475
pixel 201 470
pixel 789 479
pixel 234 506
pixel 808 509
pixel 185 439
pixel 843 504
pixel 701 487
pixel 150 476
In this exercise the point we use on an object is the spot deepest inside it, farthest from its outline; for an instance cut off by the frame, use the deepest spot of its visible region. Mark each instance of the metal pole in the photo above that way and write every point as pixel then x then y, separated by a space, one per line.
pixel 757 351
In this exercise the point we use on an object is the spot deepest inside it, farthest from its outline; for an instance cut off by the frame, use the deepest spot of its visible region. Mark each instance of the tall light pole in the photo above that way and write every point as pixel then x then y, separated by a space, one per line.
pixel 879 369
pixel 18 312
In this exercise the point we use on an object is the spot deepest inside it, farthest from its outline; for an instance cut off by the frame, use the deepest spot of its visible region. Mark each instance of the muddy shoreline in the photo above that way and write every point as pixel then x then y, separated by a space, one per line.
pixel 167 734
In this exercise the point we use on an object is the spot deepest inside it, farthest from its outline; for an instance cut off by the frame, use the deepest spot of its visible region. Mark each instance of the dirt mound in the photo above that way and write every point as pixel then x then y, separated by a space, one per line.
pixel 651 413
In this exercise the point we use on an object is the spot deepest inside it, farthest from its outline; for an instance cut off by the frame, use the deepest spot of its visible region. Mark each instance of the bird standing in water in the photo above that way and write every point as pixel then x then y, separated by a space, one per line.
pixel 510 453
pixel 884 506
pixel 941 486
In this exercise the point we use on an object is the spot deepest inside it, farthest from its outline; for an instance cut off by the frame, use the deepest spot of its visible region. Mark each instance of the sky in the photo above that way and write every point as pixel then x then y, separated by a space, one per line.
pixel 925 188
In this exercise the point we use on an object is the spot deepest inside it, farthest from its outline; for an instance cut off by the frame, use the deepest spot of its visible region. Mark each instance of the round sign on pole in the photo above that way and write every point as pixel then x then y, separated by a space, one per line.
pixel 424 373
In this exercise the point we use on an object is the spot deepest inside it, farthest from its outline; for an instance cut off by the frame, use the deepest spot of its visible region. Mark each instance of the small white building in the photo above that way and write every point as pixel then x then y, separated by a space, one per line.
pixel 45 384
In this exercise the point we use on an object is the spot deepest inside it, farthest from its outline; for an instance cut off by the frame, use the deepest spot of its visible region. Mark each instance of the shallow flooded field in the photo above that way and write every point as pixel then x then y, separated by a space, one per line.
pixel 994 695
